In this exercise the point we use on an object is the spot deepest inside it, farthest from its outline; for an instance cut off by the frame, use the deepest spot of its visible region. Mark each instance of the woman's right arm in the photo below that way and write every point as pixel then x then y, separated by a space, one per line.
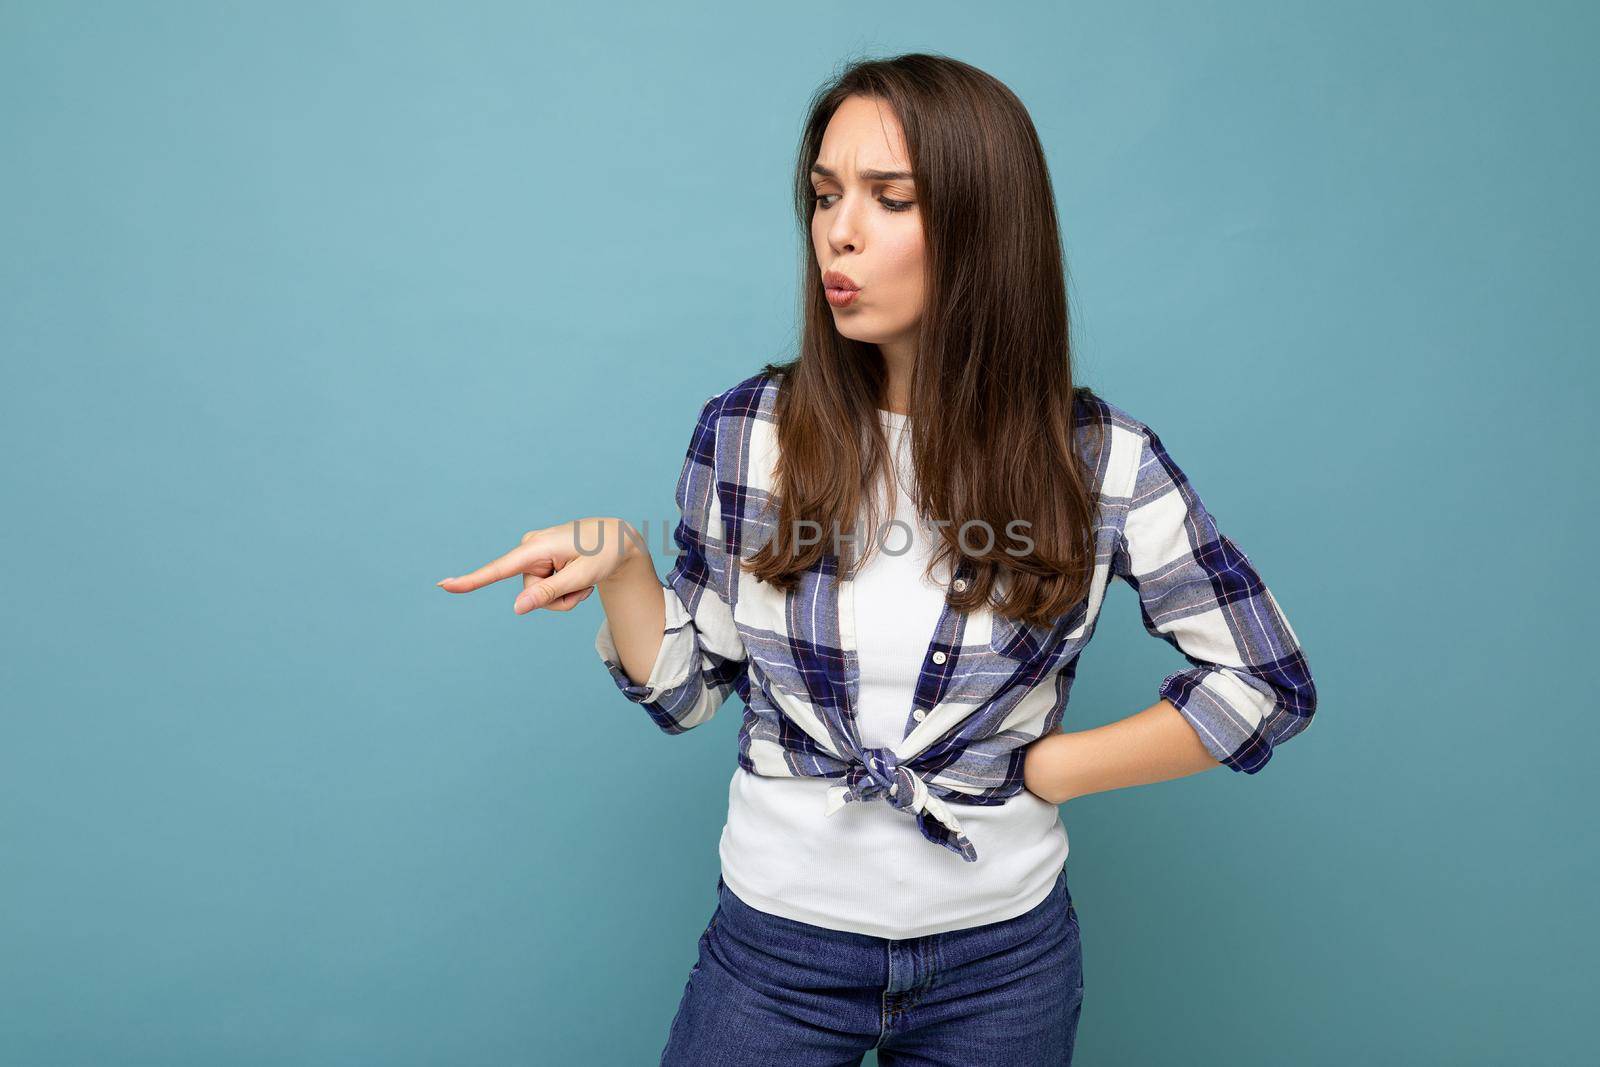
pixel 700 656
pixel 669 644
pixel 635 614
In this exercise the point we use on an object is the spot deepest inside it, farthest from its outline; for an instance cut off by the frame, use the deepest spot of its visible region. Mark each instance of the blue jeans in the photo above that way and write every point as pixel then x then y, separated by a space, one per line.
pixel 769 991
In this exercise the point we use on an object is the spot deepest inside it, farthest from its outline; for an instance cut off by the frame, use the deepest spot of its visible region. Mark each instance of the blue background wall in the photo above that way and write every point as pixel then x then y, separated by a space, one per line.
pixel 306 306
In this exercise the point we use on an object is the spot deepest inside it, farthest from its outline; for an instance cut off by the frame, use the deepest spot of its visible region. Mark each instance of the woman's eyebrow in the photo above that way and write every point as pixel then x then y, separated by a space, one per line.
pixel 866 175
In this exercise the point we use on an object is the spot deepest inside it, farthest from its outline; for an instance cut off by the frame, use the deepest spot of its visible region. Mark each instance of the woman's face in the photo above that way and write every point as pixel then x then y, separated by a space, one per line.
pixel 866 224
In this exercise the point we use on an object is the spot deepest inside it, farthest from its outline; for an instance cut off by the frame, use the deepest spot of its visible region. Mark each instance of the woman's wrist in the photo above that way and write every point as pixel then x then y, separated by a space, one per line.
pixel 1045 770
pixel 634 560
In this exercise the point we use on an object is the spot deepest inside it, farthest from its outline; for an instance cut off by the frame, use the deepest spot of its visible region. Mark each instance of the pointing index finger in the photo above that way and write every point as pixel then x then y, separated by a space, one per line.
pixel 518 561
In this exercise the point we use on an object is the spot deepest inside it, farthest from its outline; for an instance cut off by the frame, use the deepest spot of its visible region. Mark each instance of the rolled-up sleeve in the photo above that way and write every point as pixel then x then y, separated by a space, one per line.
pixel 702 658
pixel 1248 688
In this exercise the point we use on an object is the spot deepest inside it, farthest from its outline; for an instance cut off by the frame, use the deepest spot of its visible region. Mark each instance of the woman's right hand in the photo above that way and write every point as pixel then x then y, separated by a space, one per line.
pixel 556 575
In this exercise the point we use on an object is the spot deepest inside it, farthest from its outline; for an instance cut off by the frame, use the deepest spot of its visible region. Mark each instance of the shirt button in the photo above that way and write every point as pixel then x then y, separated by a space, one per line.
pixel 939 657
pixel 920 714
pixel 961 585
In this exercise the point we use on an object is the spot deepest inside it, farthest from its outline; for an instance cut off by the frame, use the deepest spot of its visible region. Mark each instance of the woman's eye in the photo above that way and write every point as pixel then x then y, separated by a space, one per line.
pixel 892 205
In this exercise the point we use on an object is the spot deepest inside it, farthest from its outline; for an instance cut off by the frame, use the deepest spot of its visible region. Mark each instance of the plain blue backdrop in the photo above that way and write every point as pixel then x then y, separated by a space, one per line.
pixel 306 306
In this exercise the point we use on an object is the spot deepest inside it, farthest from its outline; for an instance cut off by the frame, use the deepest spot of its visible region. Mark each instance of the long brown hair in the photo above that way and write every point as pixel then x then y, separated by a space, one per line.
pixel 993 410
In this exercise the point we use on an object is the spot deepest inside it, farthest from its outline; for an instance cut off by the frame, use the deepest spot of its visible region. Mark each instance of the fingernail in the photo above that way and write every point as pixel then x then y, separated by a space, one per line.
pixel 441 581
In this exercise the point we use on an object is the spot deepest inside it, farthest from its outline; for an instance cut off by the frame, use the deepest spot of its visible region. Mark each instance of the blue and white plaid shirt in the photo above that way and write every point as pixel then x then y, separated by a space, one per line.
pixel 988 685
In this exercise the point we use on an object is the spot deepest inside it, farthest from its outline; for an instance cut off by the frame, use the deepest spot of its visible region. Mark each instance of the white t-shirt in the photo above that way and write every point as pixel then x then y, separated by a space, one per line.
pixel 866 868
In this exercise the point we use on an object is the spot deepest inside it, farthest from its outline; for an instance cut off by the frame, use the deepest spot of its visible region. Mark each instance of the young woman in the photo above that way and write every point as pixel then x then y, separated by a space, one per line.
pixel 894 548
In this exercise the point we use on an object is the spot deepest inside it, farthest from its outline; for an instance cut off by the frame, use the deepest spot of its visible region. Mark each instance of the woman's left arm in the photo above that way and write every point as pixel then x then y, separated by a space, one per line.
pixel 1150 746
pixel 1247 688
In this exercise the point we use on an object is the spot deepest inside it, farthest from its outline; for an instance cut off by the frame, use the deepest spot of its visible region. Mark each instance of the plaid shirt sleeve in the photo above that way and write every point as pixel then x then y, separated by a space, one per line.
pixel 702 658
pixel 1248 688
